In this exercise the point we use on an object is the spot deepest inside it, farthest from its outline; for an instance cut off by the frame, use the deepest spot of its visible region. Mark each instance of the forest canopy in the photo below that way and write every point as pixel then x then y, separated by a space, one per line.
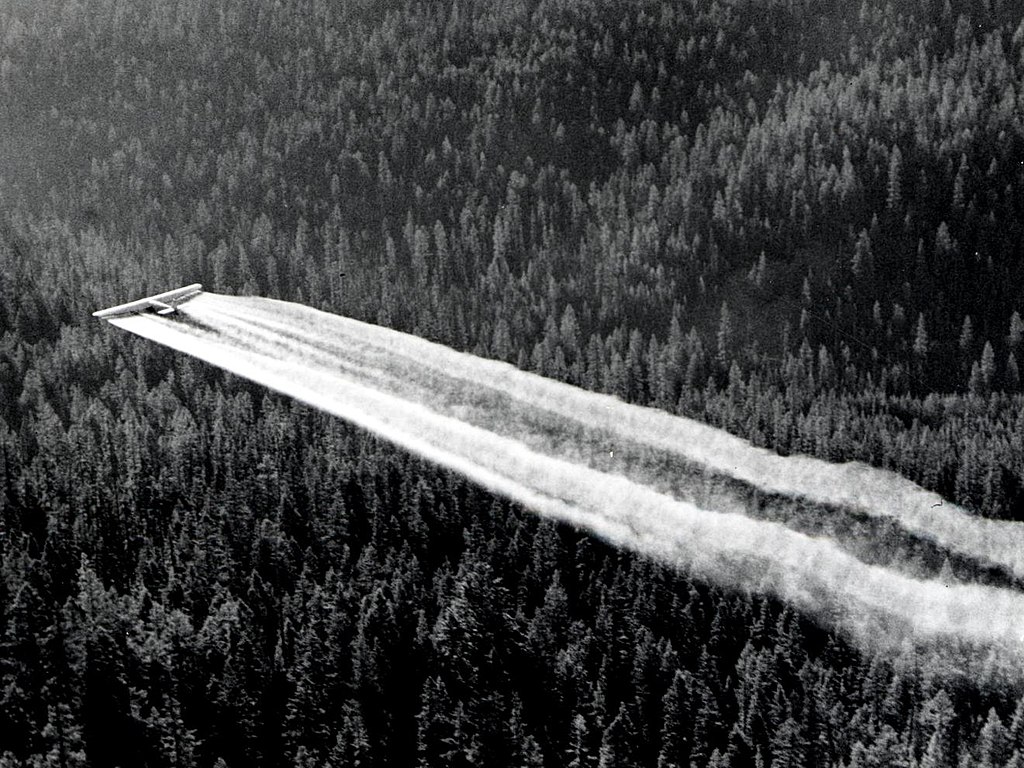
pixel 799 221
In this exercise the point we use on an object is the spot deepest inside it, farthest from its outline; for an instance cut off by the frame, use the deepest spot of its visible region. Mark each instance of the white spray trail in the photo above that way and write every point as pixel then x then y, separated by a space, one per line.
pixel 870 491
pixel 426 398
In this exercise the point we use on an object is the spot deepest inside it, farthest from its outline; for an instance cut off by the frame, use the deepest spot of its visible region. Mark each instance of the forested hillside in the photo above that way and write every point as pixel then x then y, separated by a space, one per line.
pixel 800 221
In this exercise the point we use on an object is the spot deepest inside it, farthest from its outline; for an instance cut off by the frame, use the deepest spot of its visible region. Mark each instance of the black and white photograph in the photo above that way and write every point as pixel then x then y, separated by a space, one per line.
pixel 511 383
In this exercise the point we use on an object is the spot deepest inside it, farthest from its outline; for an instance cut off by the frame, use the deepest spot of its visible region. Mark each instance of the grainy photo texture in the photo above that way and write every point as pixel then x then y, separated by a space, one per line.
pixel 527 384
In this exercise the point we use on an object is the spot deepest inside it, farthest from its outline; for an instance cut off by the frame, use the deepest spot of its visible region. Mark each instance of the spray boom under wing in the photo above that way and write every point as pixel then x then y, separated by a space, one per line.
pixel 162 303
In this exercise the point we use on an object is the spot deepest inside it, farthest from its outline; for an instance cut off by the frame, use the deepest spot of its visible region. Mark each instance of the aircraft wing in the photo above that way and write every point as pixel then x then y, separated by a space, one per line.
pixel 162 303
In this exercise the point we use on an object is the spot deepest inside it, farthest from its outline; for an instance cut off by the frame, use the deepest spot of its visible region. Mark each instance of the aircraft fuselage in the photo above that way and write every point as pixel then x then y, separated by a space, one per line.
pixel 161 304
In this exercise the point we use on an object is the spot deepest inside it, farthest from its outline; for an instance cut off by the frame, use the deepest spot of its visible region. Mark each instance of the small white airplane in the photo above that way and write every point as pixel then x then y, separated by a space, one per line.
pixel 162 303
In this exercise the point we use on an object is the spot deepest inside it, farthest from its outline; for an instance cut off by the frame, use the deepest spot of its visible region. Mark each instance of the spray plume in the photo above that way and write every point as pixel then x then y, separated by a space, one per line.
pixel 614 469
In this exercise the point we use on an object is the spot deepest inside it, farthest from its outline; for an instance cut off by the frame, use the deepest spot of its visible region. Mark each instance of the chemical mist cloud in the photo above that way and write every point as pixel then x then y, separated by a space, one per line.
pixel 543 444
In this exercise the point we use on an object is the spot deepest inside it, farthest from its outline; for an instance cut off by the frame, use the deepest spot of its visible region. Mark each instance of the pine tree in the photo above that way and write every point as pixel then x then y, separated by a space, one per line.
pixel 96 642
pixel 548 628
pixel 894 194
pixel 987 366
pixel 1016 334
pixel 936 754
pixel 675 724
pixel 966 342
pixel 921 342
pixel 67 748
pixel 862 263
pixel 1016 729
pixel 976 382
pixel 849 185
pixel 757 272
pixel 439 740
pixel 886 750
pixel 960 186
pixel 943 246
pixel 708 724
pixel 739 751
pixel 724 338
pixel 616 743
pixel 635 384
pixel 23 714
pixel 351 745
pixel 579 754
pixel 525 750
pixel 993 748
pixel 177 742
pixel 936 719
pixel 788 745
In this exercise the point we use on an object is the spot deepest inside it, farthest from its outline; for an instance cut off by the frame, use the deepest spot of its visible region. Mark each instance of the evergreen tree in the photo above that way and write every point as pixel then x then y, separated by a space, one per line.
pixel 987 366
pixel 1016 335
pixel 894 196
pixel 724 338
pixel 921 342
pixel 578 754
pixel 67 748
pixel 993 742
pixel 439 736
pixel 675 724
pixel 616 742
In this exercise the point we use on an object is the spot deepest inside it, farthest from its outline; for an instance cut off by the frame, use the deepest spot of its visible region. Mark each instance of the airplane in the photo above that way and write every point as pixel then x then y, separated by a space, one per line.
pixel 162 303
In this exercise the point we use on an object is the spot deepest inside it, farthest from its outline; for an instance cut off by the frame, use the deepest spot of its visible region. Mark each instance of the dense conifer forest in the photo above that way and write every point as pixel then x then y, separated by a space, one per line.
pixel 800 221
